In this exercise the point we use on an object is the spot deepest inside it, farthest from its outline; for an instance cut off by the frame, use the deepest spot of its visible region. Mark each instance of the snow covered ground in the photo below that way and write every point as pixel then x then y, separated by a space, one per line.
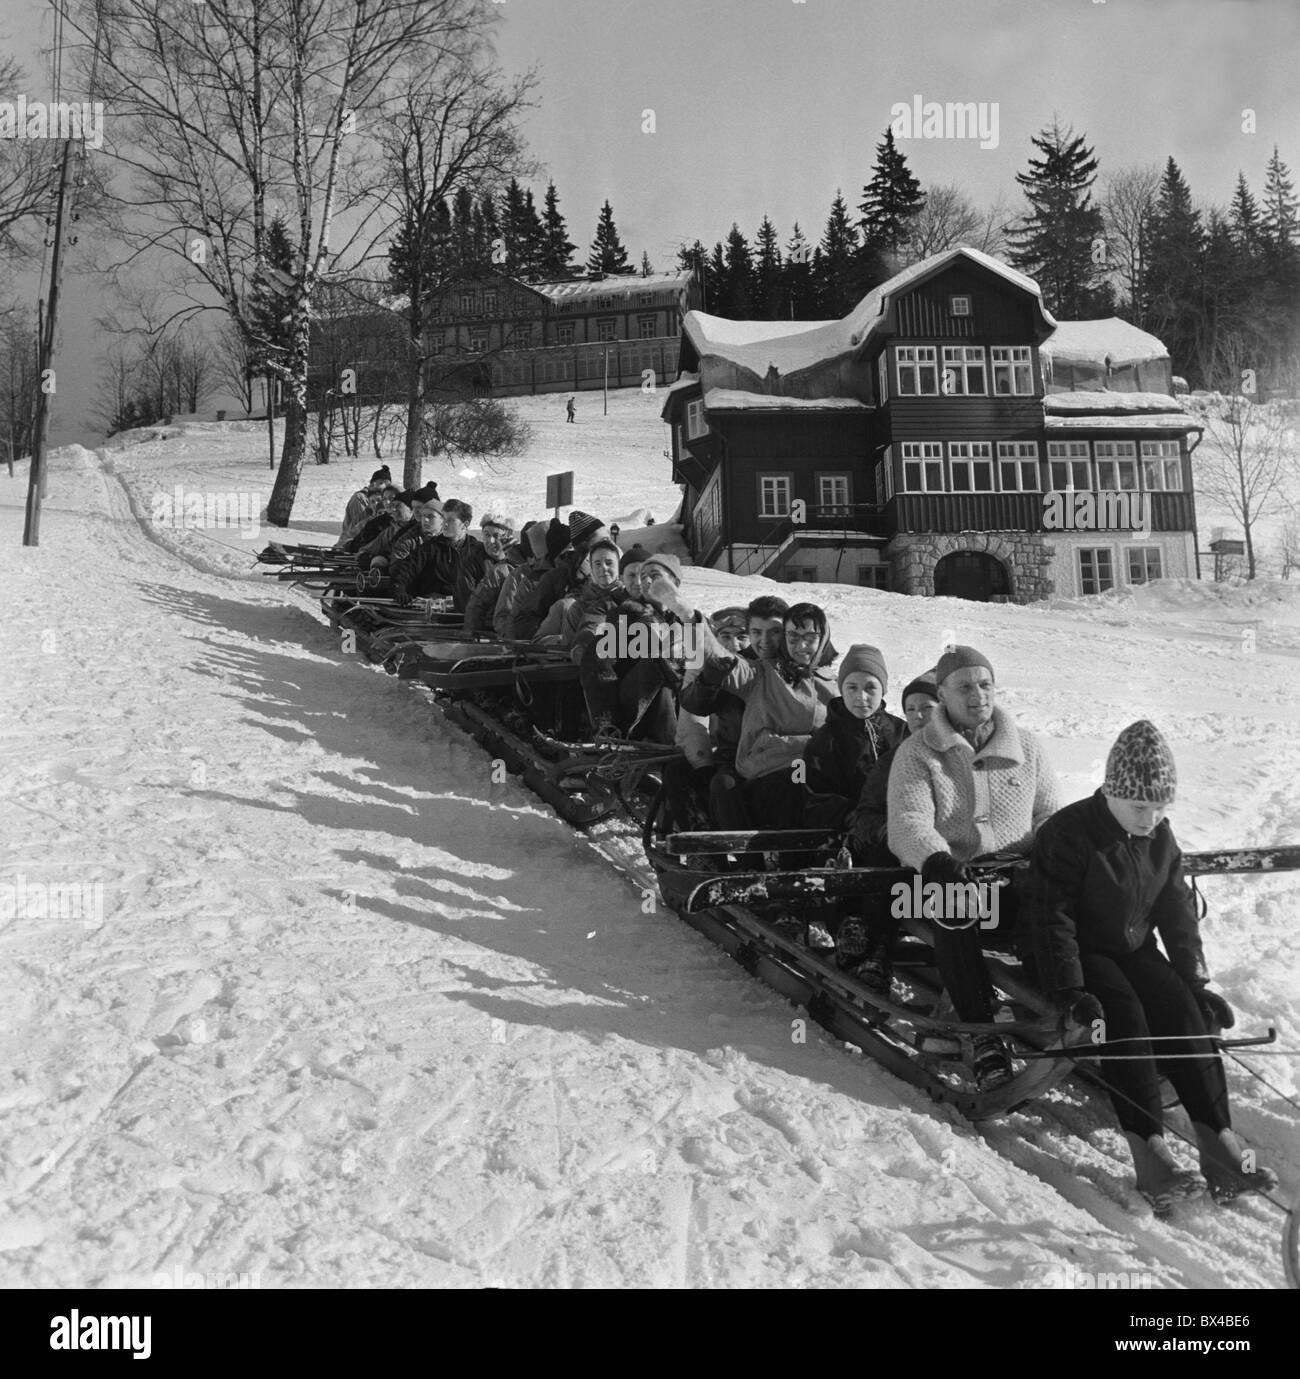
pixel 330 1007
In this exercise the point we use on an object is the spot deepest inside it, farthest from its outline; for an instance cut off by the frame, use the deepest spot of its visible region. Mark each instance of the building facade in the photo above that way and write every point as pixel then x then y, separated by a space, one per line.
pixel 946 437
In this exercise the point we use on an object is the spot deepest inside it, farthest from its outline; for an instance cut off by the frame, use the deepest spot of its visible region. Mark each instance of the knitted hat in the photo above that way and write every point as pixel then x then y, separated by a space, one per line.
pixel 557 537
pixel 381 475
pixel 861 657
pixel 925 683
pixel 636 556
pixel 583 526
pixel 503 524
pixel 427 494
pixel 730 620
pixel 537 539
pixel 959 658
pixel 668 563
pixel 1141 766
pixel 606 543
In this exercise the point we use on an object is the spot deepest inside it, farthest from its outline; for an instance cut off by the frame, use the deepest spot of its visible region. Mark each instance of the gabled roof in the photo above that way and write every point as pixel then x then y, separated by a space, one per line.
pixel 1093 342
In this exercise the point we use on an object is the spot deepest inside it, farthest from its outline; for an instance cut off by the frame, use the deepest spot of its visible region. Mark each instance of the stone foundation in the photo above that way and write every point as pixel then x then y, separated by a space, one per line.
pixel 1026 557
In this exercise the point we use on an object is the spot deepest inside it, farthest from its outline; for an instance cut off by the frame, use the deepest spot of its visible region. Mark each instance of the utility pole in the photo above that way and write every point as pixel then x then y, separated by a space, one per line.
pixel 41 428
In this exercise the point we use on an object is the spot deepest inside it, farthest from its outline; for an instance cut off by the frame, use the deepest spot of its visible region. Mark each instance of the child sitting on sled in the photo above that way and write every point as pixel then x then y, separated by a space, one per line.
pixel 1106 880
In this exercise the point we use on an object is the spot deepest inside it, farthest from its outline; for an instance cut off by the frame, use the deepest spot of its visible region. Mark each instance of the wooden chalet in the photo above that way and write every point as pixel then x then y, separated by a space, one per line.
pixel 948 436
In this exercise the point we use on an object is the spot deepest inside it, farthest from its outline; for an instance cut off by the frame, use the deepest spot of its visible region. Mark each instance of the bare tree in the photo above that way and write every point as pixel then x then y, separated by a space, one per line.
pixel 226 112
pixel 1288 547
pixel 233 363
pixel 18 384
pixel 1128 202
pixel 456 131
pixel 482 429
pixel 949 218
pixel 1243 461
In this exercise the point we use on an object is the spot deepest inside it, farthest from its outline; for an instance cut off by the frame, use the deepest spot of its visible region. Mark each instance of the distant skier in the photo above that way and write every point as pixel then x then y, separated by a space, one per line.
pixel 570 409
pixel 1105 878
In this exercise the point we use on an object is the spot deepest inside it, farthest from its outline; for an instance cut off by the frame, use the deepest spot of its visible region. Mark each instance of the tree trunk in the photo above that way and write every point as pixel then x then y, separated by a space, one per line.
pixel 413 461
pixel 268 382
pixel 280 508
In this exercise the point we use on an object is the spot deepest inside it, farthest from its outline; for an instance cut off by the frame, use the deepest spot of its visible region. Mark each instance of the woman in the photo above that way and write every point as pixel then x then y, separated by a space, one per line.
pixel 1105 881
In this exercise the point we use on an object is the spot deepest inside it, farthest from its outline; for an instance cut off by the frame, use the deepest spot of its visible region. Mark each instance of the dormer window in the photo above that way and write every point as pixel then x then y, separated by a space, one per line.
pixel 959 306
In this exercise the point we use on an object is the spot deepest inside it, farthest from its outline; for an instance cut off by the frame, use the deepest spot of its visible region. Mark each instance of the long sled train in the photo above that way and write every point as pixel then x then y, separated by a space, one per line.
pixel 521 703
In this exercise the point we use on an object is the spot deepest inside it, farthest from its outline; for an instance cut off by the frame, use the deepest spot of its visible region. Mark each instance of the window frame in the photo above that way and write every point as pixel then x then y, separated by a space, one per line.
pixel 959 304
pixel 466 303
pixel 1018 461
pixel 564 332
pixel 697 424
pixel 775 476
pixel 925 461
pixel 1069 459
pixel 1163 464
pixel 957 359
pixel 1011 365
pixel 1096 576
pixel 835 507
pixel 1146 553
pixel 604 323
pixel 1118 459
pixel 642 322
pixel 489 301
pixel 916 364
pixel 972 459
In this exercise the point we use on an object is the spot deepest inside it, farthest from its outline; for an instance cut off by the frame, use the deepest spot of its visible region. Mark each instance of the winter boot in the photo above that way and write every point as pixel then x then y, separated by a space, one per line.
pixel 992 1063
pixel 820 938
pixel 792 928
pixel 1160 1178
pixel 1229 1166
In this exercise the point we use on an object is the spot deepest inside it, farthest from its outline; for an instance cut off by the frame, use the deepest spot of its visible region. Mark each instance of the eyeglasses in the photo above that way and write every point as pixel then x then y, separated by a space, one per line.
pixel 803 636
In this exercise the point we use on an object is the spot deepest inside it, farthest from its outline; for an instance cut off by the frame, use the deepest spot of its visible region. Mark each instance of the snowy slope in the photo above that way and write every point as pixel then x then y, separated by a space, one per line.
pixel 352 1013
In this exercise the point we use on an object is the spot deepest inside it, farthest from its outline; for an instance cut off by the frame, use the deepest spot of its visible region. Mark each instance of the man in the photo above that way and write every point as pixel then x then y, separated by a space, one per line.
pixel 392 510
pixel 569 408
pixel 362 505
pixel 396 543
pixel 448 565
pixel 502 556
pixel 565 576
pixel 970 782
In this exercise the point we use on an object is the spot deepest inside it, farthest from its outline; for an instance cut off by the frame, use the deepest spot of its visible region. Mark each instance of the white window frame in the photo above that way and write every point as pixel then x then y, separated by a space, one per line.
pixel 610 324
pixel 773 490
pixel 1163 461
pixel 1015 363
pixel 642 322
pixel 1022 459
pixel 1094 552
pixel 960 305
pixel 885 473
pixel 972 456
pixel 1146 554
pixel 928 455
pixel 1111 457
pixel 959 361
pixel 696 424
pixel 882 370
pixel 834 507
pixel 1073 454
pixel 918 361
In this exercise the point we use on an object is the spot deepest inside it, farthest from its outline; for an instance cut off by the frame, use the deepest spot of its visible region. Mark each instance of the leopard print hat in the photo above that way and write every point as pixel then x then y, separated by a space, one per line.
pixel 1141 766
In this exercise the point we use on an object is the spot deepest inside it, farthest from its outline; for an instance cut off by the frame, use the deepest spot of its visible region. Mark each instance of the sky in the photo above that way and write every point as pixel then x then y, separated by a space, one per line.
pixel 691 114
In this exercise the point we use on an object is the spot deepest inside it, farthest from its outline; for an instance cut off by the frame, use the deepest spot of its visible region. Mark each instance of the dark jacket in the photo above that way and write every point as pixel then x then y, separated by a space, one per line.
pixel 374 527
pixel 562 578
pixel 868 821
pixel 480 612
pixel 705 696
pixel 838 758
pixel 1094 888
pixel 388 543
pixel 436 568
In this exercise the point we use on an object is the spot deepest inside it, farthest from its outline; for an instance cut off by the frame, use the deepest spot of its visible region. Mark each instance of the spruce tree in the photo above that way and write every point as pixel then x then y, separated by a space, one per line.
pixel 1174 270
pixel 798 283
pixel 1245 216
pixel 1280 224
pixel 737 291
pixel 768 273
pixel 646 267
pixel 715 280
pixel 1054 244
pixel 607 252
pixel 890 203
pixel 557 246
pixel 836 275
pixel 462 230
pixel 487 237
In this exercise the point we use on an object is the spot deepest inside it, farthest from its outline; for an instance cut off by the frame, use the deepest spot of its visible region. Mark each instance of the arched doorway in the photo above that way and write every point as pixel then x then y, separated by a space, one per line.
pixel 971 575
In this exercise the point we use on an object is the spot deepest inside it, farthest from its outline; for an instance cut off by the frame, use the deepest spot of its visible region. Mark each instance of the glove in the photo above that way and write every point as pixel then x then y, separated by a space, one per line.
pixel 944 868
pixel 402 598
pixel 1081 1007
pixel 716 669
pixel 363 560
pixel 1217 1012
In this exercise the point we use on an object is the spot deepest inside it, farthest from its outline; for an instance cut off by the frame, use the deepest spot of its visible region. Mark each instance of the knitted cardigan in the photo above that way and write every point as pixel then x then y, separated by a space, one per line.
pixel 946 797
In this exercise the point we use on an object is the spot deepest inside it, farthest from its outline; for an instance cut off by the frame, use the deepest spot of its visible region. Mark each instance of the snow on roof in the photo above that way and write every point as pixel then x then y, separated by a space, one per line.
pixel 1109 403
pixel 1094 341
pixel 619 285
pixel 1149 421
pixel 736 400
pixel 686 379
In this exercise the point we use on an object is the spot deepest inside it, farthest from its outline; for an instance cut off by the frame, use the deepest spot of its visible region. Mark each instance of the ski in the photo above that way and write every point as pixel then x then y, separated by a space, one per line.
pixel 1235 861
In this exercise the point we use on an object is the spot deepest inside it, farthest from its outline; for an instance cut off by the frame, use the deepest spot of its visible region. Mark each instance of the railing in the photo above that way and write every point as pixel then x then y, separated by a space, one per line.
pixel 818 519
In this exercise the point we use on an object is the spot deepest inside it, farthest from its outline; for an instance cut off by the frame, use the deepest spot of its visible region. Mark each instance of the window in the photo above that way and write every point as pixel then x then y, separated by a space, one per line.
pixel 1013 371
pixel 882 373
pixel 963 370
pixel 646 298
pixel 478 344
pixel 607 327
pixel 439 341
pixel 873 576
pixel 918 373
pixel 1068 466
pixel 1162 467
pixel 1095 573
pixel 696 426
pixel 522 337
pixel 801 573
pixel 958 306
pixel 1143 564
pixel 466 303
pixel 774 495
pixel 564 333
pixel 1116 466
pixel 971 463
pixel 885 475
pixel 489 301
pixel 1018 466
pixel 922 467
pixel 647 326
pixel 833 494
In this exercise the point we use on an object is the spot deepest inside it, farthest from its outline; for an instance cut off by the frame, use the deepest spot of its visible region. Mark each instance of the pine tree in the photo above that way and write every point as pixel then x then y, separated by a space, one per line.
pixel 1245 216
pixel 270 308
pixel 1174 282
pixel 1055 242
pixel 557 246
pixel 1280 285
pixel 836 275
pixel 607 252
pixel 515 231
pixel 1280 224
pixel 736 294
pixel 716 280
pixel 646 267
pixel 890 203
pixel 769 294
pixel 487 237
pixel 798 283
pixel 462 230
